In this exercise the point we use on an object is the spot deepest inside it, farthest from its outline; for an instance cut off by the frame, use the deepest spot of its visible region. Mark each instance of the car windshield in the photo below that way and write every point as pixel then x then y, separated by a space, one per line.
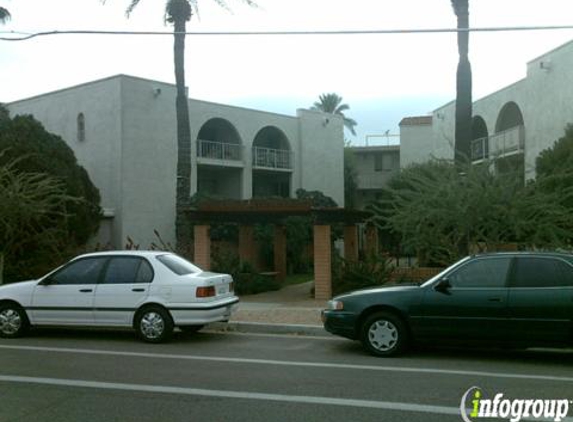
pixel 178 265
pixel 442 273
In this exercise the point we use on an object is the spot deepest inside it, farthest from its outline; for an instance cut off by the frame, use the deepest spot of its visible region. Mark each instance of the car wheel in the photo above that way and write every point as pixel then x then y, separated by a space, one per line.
pixel 154 324
pixel 190 329
pixel 13 321
pixel 383 334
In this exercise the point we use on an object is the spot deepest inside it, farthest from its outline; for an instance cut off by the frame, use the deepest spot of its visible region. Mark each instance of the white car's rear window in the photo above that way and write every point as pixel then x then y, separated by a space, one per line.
pixel 178 265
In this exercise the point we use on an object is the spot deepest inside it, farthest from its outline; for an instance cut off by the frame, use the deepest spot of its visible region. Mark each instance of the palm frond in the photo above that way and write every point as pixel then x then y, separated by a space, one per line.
pixel 4 15
pixel 131 6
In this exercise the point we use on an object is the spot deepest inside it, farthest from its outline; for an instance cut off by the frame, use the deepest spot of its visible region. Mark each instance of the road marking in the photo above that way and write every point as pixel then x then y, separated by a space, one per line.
pixel 437 371
pixel 142 388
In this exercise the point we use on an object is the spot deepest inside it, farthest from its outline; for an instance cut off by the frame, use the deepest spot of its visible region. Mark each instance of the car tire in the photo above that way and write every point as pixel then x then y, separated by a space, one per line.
pixel 383 334
pixel 191 329
pixel 13 321
pixel 154 324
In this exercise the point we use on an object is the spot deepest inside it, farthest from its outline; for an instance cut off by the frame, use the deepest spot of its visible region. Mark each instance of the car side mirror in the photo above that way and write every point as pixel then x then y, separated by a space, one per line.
pixel 443 286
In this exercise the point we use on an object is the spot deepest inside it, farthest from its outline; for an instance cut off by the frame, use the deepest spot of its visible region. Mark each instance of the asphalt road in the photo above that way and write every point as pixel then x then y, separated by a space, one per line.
pixel 65 376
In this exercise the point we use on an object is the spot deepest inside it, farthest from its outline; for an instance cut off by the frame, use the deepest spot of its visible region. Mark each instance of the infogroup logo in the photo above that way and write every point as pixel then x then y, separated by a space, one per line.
pixel 474 406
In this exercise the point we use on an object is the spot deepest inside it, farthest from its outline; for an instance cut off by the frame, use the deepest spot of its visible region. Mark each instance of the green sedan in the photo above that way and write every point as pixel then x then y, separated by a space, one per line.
pixel 521 299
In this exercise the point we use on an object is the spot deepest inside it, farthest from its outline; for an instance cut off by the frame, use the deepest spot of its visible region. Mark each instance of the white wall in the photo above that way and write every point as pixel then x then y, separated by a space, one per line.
pixel 149 160
pixel 544 98
pixel 415 142
pixel 322 153
pixel 130 150
pixel 101 151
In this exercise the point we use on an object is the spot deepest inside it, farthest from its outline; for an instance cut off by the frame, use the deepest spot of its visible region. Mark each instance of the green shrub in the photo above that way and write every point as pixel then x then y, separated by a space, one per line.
pixel 372 271
pixel 247 280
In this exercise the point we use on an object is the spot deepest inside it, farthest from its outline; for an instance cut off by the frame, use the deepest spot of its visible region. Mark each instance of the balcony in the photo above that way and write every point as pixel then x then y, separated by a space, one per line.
pixel 502 144
pixel 220 151
pixel 269 158
pixel 374 180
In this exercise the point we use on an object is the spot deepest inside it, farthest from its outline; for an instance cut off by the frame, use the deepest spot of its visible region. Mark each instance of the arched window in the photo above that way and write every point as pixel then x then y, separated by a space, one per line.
pixel 81 123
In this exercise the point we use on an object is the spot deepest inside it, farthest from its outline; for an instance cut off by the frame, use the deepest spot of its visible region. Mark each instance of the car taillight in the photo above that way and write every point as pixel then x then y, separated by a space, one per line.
pixel 206 291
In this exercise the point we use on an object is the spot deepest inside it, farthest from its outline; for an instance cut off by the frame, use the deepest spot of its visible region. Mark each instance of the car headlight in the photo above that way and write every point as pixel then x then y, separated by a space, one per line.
pixel 335 305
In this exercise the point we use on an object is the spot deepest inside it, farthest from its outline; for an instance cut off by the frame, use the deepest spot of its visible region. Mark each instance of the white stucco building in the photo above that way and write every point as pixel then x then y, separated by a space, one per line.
pixel 513 124
pixel 123 131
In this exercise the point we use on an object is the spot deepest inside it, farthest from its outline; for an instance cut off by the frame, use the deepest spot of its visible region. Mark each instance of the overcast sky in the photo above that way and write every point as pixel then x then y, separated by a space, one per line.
pixel 382 77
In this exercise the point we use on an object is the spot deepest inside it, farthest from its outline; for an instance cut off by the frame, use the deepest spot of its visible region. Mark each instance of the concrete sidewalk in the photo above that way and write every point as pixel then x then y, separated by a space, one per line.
pixel 290 310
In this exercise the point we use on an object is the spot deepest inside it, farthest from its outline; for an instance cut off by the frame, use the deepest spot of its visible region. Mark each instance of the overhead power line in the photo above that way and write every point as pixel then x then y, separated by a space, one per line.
pixel 23 36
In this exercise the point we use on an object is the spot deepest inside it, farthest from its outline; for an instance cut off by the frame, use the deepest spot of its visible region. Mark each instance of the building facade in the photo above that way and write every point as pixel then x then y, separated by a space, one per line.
pixel 375 166
pixel 123 131
pixel 512 125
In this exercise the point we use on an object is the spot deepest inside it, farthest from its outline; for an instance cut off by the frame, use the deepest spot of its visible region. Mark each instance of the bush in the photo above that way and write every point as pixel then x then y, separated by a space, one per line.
pixel 247 280
pixel 372 271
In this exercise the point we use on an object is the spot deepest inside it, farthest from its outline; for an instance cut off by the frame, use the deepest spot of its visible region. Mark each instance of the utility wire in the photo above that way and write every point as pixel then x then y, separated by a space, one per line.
pixel 27 36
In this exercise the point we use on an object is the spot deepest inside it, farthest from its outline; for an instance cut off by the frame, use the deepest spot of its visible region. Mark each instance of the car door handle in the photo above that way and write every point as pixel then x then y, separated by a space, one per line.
pixel 494 299
pixel 86 290
pixel 137 290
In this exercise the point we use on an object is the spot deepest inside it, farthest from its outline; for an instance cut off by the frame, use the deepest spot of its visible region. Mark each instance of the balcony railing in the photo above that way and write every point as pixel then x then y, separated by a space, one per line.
pixel 272 158
pixel 502 144
pixel 219 150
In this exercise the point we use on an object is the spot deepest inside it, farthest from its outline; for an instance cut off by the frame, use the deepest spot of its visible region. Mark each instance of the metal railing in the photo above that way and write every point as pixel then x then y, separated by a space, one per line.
pixel 479 149
pixel 501 144
pixel 219 150
pixel 272 158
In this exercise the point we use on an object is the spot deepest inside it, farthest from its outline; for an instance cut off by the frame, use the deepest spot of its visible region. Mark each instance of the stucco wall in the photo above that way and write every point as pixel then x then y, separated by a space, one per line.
pixel 100 153
pixel 415 141
pixel 130 151
pixel 149 160
pixel 544 98
pixel 322 153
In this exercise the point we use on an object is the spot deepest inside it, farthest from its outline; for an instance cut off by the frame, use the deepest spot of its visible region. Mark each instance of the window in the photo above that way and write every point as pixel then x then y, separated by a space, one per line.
pixel 127 270
pixel 83 271
pixel 385 162
pixel 486 272
pixel 178 265
pixel 542 272
pixel 81 127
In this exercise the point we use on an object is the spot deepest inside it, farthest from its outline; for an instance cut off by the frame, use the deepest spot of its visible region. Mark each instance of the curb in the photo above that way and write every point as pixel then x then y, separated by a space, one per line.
pixel 264 328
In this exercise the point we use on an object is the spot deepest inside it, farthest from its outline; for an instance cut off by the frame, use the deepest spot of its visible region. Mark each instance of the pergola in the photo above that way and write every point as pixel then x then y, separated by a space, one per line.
pixel 248 213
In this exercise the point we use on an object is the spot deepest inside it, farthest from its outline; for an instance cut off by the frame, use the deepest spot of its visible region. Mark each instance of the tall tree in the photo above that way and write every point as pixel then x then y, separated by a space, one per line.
pixel 332 104
pixel 178 13
pixel 4 15
pixel 463 122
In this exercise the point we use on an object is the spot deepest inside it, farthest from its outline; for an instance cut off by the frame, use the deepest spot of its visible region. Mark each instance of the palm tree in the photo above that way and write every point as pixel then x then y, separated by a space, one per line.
pixel 178 13
pixel 332 104
pixel 4 15
pixel 463 85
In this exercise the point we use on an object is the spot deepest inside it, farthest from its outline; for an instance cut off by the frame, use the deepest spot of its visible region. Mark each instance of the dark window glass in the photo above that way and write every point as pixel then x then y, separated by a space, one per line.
pixel 177 264
pixel 84 271
pixel 490 272
pixel 145 272
pixel 126 270
pixel 542 272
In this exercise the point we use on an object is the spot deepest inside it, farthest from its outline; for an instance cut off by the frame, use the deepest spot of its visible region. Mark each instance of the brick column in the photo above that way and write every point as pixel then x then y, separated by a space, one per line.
pixel 371 239
pixel 247 244
pixel 202 247
pixel 280 252
pixel 322 263
pixel 351 243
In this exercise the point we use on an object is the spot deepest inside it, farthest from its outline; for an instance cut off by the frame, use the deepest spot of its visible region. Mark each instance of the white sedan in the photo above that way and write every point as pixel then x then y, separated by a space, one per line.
pixel 151 291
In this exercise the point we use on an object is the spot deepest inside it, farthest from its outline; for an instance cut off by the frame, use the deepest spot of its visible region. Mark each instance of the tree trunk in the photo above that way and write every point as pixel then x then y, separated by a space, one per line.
pixel 183 192
pixel 463 122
